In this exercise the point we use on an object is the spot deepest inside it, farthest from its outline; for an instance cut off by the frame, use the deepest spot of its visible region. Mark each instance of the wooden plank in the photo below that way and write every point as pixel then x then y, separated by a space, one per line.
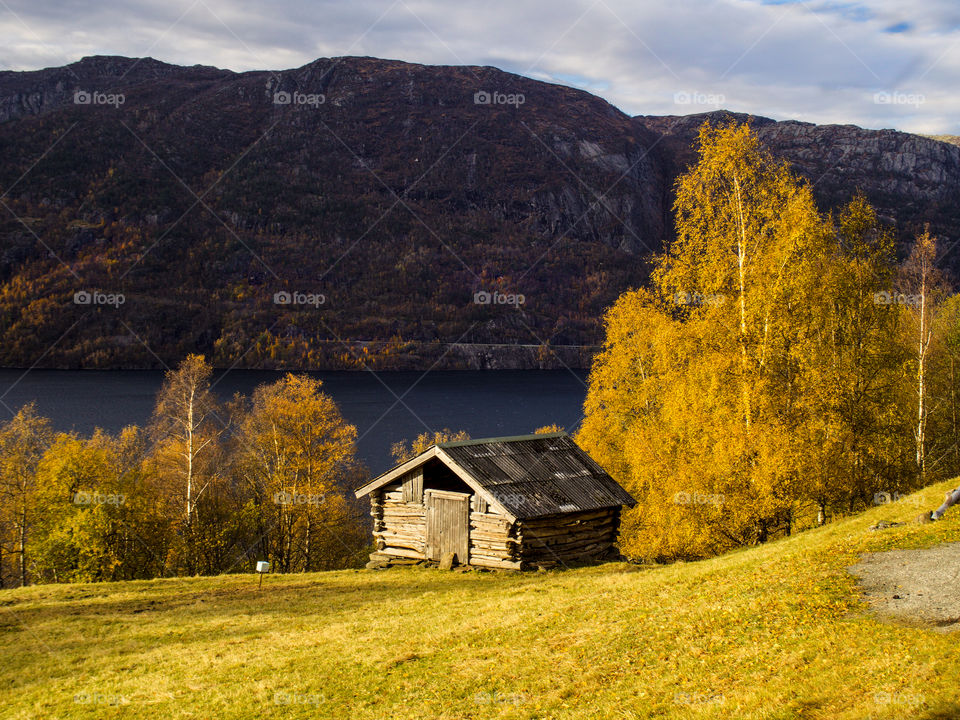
pixel 492 520
pixel 497 563
pixel 412 484
pixel 404 512
pixel 412 531
pixel 413 546
pixel 577 542
pixel 477 558
pixel 448 525
pixel 449 494
pixel 417 481
pixel 481 545
pixel 401 552
pixel 412 528
pixel 404 517
pixel 431 549
pixel 554 537
pixel 569 520
pixel 493 537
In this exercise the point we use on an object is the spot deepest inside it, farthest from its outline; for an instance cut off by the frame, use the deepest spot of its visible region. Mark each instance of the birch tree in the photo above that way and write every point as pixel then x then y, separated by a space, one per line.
pixel 297 457
pixel 23 440
pixel 719 397
pixel 922 288
pixel 186 428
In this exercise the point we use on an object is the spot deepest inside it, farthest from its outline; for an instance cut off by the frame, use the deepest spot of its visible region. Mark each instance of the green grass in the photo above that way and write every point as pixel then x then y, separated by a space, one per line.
pixel 773 632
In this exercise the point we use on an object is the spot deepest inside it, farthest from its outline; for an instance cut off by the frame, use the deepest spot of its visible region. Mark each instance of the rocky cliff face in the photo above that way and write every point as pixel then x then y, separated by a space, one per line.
pixel 403 194
pixel 912 180
pixel 31 93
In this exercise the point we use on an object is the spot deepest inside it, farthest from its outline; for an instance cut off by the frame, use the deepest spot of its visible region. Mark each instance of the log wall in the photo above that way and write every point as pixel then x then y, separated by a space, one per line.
pixel 493 538
pixel 573 537
pixel 400 530
pixel 399 527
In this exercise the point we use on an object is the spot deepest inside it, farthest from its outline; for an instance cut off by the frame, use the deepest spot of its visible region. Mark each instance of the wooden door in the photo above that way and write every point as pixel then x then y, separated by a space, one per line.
pixel 448 525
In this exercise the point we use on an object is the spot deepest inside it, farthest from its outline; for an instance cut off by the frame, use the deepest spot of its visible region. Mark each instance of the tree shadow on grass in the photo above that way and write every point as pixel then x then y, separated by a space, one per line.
pixel 288 596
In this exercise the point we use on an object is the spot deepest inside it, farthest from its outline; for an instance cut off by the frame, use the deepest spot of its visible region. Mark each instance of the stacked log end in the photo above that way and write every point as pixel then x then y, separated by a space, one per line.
pixel 576 537
pixel 399 528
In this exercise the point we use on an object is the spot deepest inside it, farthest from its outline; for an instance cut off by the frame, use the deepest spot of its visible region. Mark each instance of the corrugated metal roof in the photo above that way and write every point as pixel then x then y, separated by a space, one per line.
pixel 536 475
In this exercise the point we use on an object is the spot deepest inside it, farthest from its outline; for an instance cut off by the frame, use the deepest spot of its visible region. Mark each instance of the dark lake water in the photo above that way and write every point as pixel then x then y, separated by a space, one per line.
pixel 385 407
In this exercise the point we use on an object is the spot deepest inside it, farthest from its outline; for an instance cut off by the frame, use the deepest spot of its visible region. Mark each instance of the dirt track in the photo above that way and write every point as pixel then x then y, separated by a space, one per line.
pixel 915 587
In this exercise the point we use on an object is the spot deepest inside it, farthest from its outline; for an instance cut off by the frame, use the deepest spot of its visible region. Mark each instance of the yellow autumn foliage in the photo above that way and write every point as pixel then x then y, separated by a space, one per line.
pixel 720 398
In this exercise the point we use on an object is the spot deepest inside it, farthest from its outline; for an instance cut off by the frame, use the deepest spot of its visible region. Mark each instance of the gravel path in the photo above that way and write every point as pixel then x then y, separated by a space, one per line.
pixel 916 587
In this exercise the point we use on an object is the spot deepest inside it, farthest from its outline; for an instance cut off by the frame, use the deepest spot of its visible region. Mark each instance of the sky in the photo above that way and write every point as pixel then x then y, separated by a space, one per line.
pixel 877 64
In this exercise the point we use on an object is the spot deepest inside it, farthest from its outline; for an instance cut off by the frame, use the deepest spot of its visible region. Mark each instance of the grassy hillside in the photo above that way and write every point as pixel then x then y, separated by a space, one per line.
pixel 771 632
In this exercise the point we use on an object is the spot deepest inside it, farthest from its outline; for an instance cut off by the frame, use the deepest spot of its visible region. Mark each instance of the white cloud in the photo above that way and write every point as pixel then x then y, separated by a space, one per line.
pixel 818 61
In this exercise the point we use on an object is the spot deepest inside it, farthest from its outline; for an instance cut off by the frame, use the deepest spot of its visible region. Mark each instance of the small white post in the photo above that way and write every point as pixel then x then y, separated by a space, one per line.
pixel 262 567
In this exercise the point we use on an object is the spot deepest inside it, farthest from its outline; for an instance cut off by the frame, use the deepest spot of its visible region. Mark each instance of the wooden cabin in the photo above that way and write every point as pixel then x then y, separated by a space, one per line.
pixel 513 502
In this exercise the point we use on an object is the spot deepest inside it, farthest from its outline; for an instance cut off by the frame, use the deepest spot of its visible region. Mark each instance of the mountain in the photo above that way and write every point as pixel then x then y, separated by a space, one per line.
pixel 911 179
pixel 358 211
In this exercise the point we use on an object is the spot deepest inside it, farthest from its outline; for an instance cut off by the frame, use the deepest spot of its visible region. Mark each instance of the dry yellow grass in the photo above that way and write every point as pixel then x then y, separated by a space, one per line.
pixel 774 632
